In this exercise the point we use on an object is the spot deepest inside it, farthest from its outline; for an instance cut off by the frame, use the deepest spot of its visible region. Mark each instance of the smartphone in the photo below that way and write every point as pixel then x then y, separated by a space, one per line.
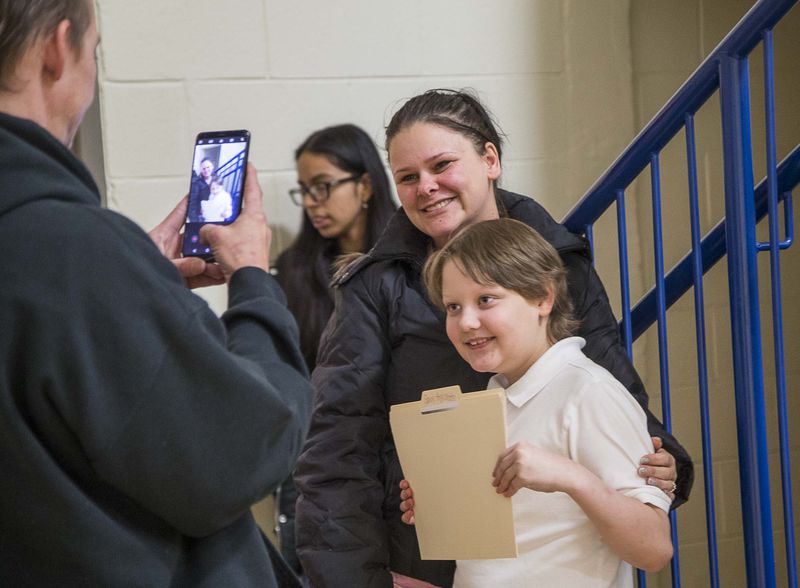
pixel 215 186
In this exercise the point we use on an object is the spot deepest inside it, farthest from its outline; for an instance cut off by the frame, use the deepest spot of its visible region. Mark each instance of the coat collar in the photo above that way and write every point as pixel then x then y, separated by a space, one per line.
pixel 402 241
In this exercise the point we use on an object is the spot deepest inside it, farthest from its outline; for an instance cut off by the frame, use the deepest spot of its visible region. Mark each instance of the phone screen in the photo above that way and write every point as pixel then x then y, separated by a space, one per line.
pixel 215 187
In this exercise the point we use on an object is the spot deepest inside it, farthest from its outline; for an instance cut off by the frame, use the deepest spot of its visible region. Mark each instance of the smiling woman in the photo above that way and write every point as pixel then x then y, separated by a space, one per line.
pixel 386 343
pixel 442 180
pixel 346 200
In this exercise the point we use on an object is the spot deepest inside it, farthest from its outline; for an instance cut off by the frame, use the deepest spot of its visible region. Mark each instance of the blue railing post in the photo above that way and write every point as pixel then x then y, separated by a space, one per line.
pixel 745 326
pixel 726 69
pixel 624 274
pixel 777 309
pixel 702 361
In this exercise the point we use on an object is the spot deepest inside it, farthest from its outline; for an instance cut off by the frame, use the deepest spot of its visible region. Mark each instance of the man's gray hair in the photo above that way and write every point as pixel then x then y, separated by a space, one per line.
pixel 22 22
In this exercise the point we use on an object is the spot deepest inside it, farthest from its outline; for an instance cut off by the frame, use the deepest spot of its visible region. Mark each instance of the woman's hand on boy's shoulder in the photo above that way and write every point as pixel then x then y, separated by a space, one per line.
pixel 659 469
pixel 406 502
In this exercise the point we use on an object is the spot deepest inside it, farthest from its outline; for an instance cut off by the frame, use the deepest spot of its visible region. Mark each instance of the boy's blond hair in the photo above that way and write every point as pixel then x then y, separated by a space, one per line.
pixel 512 255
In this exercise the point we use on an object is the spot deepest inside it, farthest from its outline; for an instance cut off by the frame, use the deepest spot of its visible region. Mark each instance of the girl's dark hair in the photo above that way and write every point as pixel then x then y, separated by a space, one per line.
pixel 457 110
pixel 305 266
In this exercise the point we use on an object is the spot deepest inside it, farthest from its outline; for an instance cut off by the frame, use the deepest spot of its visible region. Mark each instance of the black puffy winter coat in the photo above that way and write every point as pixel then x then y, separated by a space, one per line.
pixel 384 345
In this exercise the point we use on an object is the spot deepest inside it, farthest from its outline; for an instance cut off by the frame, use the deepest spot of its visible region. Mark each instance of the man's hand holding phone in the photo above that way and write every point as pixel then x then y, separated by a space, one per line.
pixel 243 243
pixel 246 241
pixel 167 237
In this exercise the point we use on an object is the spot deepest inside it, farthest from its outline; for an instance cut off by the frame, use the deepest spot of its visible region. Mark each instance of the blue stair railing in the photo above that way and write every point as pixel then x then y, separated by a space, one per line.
pixel 725 70
pixel 232 173
pixel 712 246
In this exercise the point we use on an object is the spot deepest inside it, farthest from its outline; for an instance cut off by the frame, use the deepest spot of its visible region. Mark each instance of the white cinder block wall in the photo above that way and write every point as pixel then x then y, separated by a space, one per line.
pixel 570 82
pixel 284 68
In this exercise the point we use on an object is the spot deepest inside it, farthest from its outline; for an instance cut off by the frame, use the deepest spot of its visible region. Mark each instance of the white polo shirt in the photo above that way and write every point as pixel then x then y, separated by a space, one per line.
pixel 567 404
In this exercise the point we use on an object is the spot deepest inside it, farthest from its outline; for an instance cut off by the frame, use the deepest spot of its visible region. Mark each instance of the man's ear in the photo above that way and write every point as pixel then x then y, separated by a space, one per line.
pixel 56 50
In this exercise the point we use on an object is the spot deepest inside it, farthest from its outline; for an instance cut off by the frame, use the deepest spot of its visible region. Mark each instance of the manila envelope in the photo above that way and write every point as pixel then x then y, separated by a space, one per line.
pixel 448 444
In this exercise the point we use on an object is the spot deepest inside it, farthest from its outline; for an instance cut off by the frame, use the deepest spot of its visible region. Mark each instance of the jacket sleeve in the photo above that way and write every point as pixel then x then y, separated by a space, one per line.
pixel 341 536
pixel 192 417
pixel 603 345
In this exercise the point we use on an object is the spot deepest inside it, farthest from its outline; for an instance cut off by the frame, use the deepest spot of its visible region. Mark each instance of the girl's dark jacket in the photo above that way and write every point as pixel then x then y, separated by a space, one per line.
pixel 384 344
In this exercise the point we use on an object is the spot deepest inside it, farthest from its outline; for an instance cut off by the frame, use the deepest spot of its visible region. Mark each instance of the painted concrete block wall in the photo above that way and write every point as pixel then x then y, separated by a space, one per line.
pixel 570 82
pixel 668 41
pixel 284 68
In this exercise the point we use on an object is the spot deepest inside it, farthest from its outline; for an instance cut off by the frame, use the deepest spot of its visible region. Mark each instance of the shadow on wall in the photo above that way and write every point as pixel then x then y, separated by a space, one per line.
pixel 88 145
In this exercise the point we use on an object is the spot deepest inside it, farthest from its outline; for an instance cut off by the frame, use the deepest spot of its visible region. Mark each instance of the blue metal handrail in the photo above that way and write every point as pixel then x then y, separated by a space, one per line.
pixel 726 69
pixel 700 86
pixel 231 173
pixel 679 279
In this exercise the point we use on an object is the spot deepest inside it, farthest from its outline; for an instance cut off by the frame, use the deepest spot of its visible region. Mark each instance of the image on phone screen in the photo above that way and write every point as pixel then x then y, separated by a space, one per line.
pixel 215 188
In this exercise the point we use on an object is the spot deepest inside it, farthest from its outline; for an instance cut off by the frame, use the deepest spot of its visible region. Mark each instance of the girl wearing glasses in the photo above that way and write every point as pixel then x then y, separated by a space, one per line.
pixel 386 342
pixel 346 199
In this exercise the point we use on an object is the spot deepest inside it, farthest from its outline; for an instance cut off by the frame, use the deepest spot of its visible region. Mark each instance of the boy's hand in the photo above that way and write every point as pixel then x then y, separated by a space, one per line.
pixel 524 466
pixel 401 581
pixel 407 502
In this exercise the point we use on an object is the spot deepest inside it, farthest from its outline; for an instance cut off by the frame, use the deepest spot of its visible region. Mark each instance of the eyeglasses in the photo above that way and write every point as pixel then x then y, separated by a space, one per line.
pixel 319 192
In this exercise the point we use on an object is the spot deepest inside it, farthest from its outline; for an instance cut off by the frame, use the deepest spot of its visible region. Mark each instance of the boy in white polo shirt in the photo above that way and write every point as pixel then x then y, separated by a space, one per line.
pixel 575 433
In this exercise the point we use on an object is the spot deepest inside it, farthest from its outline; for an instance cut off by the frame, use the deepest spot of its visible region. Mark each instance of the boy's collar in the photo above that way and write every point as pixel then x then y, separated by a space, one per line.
pixel 540 373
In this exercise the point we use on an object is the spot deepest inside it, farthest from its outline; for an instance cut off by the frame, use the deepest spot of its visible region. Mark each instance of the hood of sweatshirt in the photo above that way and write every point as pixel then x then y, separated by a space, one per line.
pixel 25 146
